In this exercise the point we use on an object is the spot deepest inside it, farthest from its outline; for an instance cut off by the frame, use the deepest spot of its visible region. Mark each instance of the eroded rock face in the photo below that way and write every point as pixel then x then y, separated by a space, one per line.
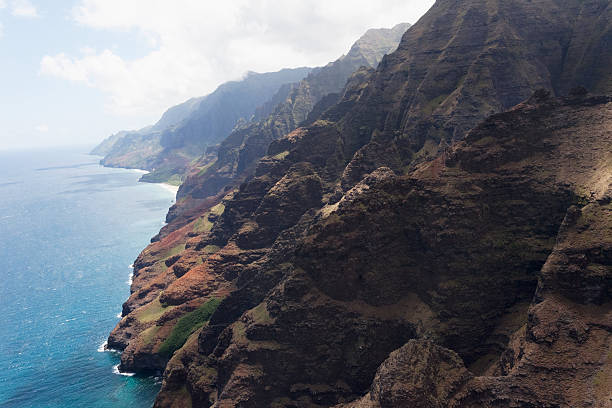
pixel 420 374
pixel 559 358
pixel 299 102
pixel 378 226
pixel 466 60
pixel 447 253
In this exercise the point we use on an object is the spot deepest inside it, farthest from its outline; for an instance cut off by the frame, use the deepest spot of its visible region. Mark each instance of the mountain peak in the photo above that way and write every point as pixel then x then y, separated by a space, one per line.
pixel 376 42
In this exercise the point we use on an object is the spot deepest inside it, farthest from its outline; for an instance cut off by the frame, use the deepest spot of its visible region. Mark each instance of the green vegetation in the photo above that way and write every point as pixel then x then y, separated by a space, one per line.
pixel 261 315
pixel 202 224
pixel 204 169
pixel 218 209
pixel 599 379
pixel 239 332
pixel 175 180
pixel 152 311
pixel 281 155
pixel 163 176
pixel 211 249
pixel 186 325
pixel 173 251
pixel 148 335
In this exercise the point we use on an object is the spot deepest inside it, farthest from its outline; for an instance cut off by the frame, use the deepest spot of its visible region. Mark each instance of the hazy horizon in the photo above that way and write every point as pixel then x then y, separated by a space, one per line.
pixel 80 70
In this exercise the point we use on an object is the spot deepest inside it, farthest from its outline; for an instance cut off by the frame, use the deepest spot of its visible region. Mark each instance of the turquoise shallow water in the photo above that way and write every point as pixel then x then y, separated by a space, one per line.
pixel 69 229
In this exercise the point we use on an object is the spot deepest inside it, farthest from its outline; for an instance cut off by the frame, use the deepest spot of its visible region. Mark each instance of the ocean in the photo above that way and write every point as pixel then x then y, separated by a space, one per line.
pixel 69 231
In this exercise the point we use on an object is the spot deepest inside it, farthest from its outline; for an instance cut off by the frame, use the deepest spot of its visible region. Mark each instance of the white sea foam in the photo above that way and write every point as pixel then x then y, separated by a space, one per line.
pixel 116 371
pixel 102 347
pixel 141 171
pixel 120 315
pixel 131 266
pixel 169 187
pixel 130 279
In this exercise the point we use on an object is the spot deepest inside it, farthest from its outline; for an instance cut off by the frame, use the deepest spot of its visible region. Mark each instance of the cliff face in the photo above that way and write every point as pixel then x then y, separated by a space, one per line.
pixel 292 105
pixel 174 271
pixel 450 253
pixel 563 338
pixel 387 252
pixel 464 61
pixel 186 130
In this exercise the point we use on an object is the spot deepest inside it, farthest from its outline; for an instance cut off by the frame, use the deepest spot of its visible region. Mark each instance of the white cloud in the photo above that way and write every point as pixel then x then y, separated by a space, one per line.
pixel 196 45
pixel 42 128
pixel 2 4
pixel 1 30
pixel 23 8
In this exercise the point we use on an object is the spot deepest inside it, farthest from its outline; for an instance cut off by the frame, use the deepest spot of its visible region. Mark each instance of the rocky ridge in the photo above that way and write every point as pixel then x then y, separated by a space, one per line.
pixel 174 273
pixel 291 106
pixel 186 130
pixel 448 253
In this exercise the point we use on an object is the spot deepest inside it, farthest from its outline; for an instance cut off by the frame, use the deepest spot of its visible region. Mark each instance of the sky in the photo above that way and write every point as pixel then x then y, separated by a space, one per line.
pixel 72 72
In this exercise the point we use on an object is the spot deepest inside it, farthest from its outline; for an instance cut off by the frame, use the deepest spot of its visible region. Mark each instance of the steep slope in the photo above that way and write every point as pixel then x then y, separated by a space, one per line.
pixel 136 149
pixel 365 229
pixel 564 342
pixel 291 106
pixel 466 60
pixel 166 263
pixel 107 144
pixel 449 253
pixel 185 130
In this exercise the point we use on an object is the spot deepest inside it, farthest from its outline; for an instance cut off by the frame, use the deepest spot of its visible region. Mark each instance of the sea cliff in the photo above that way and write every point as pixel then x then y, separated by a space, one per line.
pixel 436 233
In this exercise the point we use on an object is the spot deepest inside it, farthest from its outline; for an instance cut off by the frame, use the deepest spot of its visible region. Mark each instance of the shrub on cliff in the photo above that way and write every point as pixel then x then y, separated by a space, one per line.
pixel 187 325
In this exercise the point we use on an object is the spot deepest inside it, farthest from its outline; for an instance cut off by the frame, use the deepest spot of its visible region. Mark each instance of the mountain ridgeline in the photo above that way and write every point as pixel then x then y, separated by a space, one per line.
pixel 238 153
pixel 434 232
pixel 186 130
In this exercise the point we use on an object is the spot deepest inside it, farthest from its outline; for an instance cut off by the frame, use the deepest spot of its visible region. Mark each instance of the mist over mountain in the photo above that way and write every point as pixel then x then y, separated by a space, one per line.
pixel 184 131
pixel 292 105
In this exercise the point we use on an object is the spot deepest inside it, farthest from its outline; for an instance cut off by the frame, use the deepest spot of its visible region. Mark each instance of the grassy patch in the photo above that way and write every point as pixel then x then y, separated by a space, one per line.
pixel 328 209
pixel 152 311
pixel 218 209
pixel 211 249
pixel 173 251
pixel 202 224
pixel 281 155
pixel 163 176
pixel 260 314
pixel 186 325
pixel 148 335
pixel 239 332
pixel 175 180
pixel 204 169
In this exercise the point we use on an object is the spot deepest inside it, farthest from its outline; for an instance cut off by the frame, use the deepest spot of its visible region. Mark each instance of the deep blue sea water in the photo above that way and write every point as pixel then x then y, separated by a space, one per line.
pixel 69 230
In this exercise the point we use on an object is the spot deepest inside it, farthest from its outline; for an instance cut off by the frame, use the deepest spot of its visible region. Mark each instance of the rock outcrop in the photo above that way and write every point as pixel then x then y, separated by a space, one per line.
pixel 560 356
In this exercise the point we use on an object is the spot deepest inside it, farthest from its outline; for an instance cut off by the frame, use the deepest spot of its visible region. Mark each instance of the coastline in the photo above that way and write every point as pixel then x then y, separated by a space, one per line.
pixel 170 187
